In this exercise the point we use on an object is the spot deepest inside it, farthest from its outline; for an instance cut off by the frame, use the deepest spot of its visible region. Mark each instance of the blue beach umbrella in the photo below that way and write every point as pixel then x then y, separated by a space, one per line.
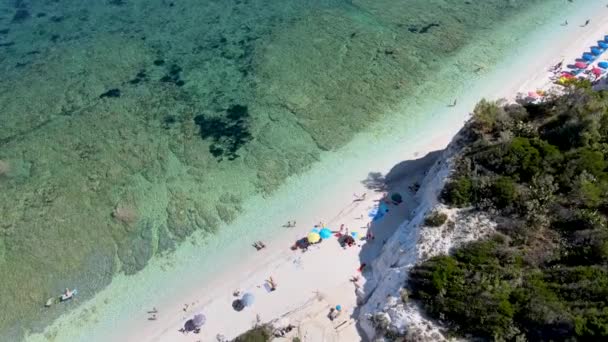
pixel 596 51
pixel 603 65
pixel 199 320
pixel 606 39
pixel 588 56
pixel 248 299
pixel 603 45
pixel 325 233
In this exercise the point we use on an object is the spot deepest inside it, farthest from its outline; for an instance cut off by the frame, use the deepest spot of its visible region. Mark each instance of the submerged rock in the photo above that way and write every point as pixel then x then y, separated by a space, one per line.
pixel 21 15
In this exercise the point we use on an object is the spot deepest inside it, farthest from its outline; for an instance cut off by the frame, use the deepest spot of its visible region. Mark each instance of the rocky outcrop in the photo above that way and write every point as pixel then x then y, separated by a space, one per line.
pixel 385 311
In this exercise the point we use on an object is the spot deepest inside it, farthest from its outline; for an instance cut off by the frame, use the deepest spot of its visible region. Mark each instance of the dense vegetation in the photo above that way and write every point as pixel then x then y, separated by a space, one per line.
pixel 540 171
pixel 260 333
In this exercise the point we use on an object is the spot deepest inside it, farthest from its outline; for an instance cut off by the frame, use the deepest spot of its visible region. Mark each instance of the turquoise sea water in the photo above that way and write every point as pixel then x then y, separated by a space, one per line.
pixel 128 125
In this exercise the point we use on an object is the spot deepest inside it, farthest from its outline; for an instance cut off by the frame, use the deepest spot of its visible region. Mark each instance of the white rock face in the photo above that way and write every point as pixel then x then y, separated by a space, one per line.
pixel 383 311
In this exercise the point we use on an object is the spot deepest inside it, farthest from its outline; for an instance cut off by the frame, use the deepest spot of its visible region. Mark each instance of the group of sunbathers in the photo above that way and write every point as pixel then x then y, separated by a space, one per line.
pixel 283 331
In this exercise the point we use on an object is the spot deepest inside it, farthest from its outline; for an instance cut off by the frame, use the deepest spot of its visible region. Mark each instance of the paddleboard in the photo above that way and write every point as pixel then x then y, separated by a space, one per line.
pixel 64 297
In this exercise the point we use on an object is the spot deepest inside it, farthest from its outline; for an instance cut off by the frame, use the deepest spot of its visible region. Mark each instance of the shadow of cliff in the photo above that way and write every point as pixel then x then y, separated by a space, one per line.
pixel 403 179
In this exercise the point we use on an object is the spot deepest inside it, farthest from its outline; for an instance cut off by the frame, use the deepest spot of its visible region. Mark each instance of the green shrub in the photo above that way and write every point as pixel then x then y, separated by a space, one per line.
pixel 471 289
pixel 258 334
pixel 504 192
pixel 435 219
pixel 521 159
pixel 458 192
pixel 486 115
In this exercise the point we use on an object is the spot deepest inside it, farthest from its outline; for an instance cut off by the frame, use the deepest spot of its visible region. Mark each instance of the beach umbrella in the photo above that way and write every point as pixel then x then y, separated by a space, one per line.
pixel 313 237
pixel 189 325
pixel 199 320
pixel 248 299
pixel 238 305
pixel 596 71
pixel 396 197
pixel 596 51
pixel 603 65
pixel 588 57
pixel 606 39
pixel 339 307
pixel 580 65
pixel 325 233
pixel 354 234
pixel 603 45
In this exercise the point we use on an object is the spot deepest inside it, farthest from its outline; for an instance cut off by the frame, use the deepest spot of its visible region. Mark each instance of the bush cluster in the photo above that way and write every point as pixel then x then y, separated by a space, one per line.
pixel 260 333
pixel 541 171
pixel 435 219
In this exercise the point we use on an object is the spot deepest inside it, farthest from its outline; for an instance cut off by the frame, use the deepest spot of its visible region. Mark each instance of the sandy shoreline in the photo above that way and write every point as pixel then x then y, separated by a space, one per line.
pixel 312 282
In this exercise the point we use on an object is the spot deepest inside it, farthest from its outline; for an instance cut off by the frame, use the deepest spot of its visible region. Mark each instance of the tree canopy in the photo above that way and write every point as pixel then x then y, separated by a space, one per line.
pixel 541 171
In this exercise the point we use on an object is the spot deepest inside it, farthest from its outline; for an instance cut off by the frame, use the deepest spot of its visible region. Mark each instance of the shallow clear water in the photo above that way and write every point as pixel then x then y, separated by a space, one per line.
pixel 127 125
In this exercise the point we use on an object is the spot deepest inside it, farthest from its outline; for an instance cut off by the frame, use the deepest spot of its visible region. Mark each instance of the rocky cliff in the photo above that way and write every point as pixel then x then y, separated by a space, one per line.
pixel 385 311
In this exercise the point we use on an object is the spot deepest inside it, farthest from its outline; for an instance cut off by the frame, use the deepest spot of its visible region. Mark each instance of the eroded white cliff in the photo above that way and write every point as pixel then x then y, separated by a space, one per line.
pixel 384 312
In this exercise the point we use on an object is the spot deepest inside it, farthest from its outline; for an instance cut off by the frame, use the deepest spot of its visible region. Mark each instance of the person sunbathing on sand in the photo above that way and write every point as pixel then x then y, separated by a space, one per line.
pixel 272 284
pixel 359 198
pixel 290 224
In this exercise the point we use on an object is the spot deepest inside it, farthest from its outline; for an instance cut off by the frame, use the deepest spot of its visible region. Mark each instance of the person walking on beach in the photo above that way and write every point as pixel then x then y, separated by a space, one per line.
pixel 586 23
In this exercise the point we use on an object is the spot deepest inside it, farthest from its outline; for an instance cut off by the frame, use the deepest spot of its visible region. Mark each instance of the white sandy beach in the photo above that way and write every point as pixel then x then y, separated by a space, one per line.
pixel 310 283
